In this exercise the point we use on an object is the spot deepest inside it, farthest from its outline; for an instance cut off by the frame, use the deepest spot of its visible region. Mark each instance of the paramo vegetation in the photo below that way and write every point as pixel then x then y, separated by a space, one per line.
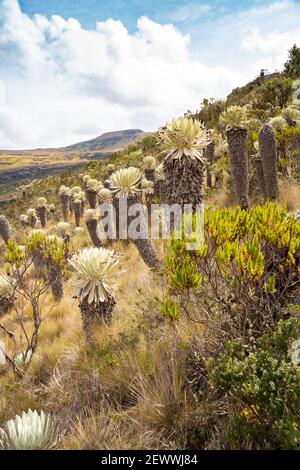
pixel 109 342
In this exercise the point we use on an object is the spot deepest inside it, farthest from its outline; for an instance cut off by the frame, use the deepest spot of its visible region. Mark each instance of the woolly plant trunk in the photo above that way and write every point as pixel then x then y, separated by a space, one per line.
pixel 282 156
pixel 41 212
pixel 92 229
pixel 24 194
pixel 39 265
pixel 82 208
pixel 96 313
pixel 92 198
pixel 159 189
pixel 116 202
pixel 52 212
pixel 210 157
pixel 33 221
pixel 237 141
pixel 259 173
pixel 184 180
pixel 4 228
pixel 150 175
pixel 268 152
pixel 143 243
pixel 56 281
pixel 64 199
pixel 71 205
pixel 77 212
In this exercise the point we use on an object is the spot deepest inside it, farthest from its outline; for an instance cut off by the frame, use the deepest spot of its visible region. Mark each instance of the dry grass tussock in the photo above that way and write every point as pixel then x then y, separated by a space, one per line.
pixel 137 383
pixel 126 388
pixel 290 195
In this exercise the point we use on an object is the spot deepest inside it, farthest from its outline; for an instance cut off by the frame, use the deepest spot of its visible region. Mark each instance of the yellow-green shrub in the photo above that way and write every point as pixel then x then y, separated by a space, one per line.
pixel 247 269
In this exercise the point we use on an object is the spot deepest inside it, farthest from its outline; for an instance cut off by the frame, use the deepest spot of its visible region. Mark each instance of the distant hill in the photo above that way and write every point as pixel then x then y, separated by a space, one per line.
pixel 17 166
pixel 109 141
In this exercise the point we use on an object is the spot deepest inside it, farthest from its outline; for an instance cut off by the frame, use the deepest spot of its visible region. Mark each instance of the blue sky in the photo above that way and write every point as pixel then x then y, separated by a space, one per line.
pixel 88 12
pixel 70 70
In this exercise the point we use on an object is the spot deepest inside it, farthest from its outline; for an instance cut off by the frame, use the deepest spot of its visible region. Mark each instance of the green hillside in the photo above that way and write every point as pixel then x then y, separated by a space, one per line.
pixel 181 342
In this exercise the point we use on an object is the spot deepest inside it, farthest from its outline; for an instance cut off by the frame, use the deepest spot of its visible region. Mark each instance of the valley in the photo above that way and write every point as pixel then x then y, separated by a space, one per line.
pixel 18 167
pixel 150 283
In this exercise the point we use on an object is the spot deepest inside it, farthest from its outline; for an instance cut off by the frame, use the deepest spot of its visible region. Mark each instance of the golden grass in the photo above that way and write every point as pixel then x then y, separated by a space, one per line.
pixel 130 386
pixel 34 158
pixel 221 198
pixel 26 158
pixel 69 377
pixel 290 195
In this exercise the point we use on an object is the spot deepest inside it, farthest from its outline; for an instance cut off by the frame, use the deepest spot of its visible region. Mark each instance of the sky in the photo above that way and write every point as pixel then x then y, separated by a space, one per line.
pixel 73 69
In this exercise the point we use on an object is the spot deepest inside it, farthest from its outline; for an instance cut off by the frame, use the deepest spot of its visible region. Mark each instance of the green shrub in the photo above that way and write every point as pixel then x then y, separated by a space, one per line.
pixel 244 273
pixel 276 91
pixel 263 388
pixel 170 311
pixel 292 66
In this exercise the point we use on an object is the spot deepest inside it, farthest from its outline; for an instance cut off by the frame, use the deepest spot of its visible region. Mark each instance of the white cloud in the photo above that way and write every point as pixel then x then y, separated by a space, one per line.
pixel 258 37
pixel 191 11
pixel 270 31
pixel 272 46
pixel 251 39
pixel 2 93
pixel 64 83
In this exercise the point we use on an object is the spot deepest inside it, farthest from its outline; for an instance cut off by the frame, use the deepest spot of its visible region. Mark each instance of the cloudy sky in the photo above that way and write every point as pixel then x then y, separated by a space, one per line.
pixel 72 69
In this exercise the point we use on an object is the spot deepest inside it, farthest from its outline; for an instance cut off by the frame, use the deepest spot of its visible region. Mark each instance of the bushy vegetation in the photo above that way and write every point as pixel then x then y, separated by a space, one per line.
pixel 187 343
pixel 262 387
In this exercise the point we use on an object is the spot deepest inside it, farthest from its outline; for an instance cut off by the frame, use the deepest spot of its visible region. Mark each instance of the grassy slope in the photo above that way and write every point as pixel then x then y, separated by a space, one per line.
pixel 130 363
pixel 36 158
pixel 85 151
pixel 132 386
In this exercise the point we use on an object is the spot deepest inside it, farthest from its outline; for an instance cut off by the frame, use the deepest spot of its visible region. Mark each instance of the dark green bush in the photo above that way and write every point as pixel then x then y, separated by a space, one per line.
pixel 263 389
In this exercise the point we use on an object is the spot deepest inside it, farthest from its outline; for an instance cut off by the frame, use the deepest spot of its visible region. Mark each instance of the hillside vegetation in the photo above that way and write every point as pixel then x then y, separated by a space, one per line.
pixel 187 342
pixel 22 166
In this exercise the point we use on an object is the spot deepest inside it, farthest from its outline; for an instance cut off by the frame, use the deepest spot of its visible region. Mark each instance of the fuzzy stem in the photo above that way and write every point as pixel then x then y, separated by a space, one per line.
pixel 4 229
pixel 41 212
pixel 268 151
pixel 92 229
pixel 64 198
pixel 77 212
pixel 92 198
pixel 237 141
pixel 95 313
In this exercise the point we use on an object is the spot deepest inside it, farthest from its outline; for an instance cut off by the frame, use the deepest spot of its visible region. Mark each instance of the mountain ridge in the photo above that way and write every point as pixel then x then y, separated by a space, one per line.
pixel 113 140
pixel 109 140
